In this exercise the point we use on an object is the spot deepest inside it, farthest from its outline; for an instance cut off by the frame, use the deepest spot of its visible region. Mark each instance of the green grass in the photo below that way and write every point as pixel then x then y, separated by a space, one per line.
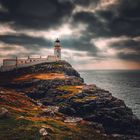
pixel 11 129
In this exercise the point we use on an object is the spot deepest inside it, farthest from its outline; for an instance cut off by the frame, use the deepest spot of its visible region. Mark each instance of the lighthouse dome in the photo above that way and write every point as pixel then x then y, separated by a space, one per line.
pixel 57 40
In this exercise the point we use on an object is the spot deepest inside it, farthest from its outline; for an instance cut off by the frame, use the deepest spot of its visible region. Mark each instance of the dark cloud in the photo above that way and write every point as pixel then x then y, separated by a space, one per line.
pixel 129 56
pixel 36 14
pixel 123 26
pixel 130 9
pixel 119 19
pixel 107 15
pixel 86 3
pixel 130 49
pixel 24 40
pixel 96 27
pixel 127 44
pixel 82 44
pixel 124 21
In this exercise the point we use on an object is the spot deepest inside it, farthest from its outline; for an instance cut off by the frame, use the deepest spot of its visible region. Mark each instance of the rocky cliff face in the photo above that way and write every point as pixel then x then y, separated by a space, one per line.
pixel 60 88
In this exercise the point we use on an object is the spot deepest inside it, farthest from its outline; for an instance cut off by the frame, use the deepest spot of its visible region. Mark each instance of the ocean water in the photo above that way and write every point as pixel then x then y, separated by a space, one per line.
pixel 123 84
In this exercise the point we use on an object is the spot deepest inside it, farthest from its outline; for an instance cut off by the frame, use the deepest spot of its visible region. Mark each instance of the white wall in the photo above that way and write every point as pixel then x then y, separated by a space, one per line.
pixel 9 62
pixel 9 68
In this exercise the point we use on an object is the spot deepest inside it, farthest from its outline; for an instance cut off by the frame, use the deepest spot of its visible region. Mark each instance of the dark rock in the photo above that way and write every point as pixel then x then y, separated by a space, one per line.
pixel 67 110
pixel 98 126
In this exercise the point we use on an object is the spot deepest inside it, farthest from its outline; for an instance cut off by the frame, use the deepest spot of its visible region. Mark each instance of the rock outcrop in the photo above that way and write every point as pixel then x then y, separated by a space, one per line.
pixel 76 100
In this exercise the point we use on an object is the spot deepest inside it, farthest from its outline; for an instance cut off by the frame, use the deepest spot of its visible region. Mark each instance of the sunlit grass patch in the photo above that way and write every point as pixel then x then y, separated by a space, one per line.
pixel 17 104
pixel 58 127
pixel 41 76
pixel 72 90
pixel 88 98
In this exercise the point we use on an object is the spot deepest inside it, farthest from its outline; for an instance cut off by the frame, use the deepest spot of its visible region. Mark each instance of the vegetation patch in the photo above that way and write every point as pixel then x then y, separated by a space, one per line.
pixel 12 129
pixel 72 90
pixel 41 76
pixel 88 98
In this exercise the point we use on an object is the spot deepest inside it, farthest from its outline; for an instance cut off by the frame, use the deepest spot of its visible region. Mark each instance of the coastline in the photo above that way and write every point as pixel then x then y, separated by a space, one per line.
pixel 123 84
pixel 71 101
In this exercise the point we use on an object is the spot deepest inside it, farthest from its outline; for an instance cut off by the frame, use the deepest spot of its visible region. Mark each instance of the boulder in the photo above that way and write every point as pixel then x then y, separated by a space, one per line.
pixel 72 119
pixel 4 113
pixel 49 111
pixel 43 132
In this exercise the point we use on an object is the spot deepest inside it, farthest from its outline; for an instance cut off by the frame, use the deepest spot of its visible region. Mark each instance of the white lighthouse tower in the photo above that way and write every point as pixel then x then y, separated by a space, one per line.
pixel 57 49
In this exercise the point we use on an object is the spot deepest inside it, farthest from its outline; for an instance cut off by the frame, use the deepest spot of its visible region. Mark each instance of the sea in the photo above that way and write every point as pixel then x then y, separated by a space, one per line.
pixel 123 84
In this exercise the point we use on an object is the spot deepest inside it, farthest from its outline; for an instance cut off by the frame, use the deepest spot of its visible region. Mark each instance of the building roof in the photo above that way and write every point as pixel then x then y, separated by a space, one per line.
pixel 57 40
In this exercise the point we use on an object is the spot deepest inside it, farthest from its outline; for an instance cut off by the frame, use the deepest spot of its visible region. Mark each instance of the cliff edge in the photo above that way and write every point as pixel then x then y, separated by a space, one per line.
pixel 51 101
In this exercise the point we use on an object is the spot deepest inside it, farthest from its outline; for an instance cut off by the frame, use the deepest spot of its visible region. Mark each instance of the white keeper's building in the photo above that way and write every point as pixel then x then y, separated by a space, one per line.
pixel 9 64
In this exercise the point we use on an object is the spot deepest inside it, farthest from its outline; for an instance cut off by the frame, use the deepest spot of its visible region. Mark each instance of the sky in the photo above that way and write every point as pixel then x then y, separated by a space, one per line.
pixel 94 34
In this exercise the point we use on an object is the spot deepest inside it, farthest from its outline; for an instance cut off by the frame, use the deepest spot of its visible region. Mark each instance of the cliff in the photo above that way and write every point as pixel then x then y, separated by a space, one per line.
pixel 51 101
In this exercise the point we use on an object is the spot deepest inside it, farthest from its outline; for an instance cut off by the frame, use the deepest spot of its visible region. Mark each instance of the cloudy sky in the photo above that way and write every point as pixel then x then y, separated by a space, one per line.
pixel 95 34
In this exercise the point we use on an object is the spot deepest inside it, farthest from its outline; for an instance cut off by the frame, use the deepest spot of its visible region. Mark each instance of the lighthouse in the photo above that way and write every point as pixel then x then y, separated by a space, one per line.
pixel 57 49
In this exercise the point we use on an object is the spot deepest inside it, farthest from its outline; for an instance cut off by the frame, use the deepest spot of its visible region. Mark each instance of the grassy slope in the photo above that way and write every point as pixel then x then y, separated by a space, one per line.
pixel 23 123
